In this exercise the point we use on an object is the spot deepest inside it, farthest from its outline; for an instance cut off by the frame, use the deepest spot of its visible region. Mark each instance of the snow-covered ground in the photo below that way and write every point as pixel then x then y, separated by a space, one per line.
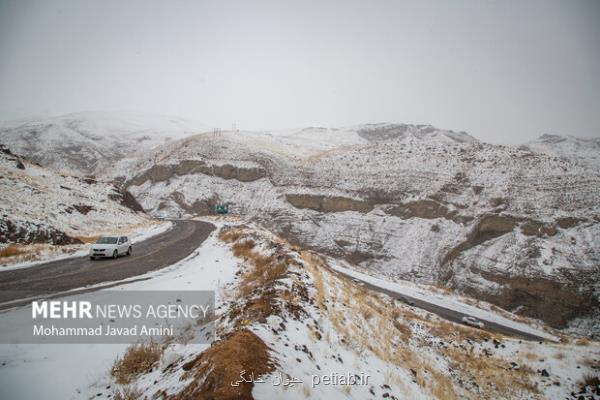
pixel 320 326
pixel 32 371
pixel 397 201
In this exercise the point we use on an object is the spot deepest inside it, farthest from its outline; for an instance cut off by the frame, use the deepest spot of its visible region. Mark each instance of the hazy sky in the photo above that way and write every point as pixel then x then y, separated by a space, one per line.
pixel 504 71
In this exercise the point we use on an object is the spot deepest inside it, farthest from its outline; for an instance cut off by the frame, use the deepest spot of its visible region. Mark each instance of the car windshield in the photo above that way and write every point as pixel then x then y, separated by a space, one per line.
pixel 107 240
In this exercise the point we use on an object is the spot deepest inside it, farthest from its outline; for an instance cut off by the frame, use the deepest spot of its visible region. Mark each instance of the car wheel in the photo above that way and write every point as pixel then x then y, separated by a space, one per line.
pixel 92 258
pixel 115 254
pixel 129 251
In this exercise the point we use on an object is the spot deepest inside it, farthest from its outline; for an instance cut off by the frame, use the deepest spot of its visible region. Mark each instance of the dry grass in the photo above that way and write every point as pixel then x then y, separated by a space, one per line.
pixel 442 387
pixel 264 264
pixel 88 239
pixel 16 253
pixel 138 359
pixel 367 313
pixel 379 330
pixel 451 331
pixel 484 370
pixel 403 329
pixel 264 271
pixel 243 249
pixel 12 250
pixel 365 321
pixel 564 339
pixel 214 369
pixel 386 330
pixel 318 283
pixel 531 356
pixel 591 380
pixel 127 393
pixel 507 314
pixel 583 342
pixel 230 235
pixel 382 329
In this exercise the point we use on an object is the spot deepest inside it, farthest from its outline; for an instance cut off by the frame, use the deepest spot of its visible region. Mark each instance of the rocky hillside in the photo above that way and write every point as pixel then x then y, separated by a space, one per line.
pixel 509 225
pixel 39 206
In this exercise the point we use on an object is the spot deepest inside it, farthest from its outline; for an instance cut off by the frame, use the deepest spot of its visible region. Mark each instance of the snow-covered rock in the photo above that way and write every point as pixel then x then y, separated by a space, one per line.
pixel 40 206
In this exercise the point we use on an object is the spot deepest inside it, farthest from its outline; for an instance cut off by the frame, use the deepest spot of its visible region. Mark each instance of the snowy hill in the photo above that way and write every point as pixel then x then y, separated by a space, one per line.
pixel 405 202
pixel 288 327
pixel 88 143
pixel 584 151
pixel 384 132
pixel 410 202
pixel 471 225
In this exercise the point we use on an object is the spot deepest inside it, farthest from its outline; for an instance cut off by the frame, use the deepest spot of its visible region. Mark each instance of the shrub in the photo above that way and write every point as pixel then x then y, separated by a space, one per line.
pixel 11 250
pixel 138 359
pixel 243 248
pixel 229 235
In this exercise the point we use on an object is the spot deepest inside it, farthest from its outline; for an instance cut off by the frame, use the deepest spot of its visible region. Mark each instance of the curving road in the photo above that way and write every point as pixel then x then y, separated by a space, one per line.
pixel 158 252
pixel 449 314
pixel 58 276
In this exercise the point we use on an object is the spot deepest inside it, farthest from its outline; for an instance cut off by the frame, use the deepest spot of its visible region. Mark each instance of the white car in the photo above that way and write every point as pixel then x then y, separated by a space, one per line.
pixel 472 322
pixel 111 246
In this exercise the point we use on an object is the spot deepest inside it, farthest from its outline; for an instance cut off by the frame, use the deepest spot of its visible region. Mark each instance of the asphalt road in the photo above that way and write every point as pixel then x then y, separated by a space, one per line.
pixel 58 276
pixel 452 315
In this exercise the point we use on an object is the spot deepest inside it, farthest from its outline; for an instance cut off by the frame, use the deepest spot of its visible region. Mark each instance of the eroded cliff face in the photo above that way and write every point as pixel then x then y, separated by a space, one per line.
pixel 487 259
pixel 160 172
pixel 509 226
pixel 324 203
pixel 555 301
